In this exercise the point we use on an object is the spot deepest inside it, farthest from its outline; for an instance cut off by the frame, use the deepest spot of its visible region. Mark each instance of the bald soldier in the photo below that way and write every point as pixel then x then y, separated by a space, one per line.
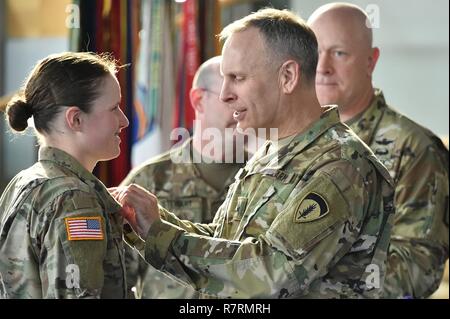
pixel 415 157
pixel 194 189
pixel 309 215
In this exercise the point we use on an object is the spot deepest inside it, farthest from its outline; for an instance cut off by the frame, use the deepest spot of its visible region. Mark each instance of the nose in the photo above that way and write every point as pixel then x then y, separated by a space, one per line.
pixel 324 65
pixel 123 120
pixel 226 94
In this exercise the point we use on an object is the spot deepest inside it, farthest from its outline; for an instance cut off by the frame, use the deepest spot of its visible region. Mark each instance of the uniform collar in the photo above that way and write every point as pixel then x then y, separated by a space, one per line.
pixel 366 123
pixel 65 160
pixel 328 119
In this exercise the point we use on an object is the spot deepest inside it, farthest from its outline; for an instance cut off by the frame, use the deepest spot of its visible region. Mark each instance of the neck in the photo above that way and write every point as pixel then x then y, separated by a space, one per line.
pixel 67 147
pixel 299 116
pixel 361 103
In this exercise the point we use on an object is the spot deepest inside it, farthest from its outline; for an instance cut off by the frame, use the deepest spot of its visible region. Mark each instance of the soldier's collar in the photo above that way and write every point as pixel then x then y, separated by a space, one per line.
pixel 366 123
pixel 63 159
pixel 328 119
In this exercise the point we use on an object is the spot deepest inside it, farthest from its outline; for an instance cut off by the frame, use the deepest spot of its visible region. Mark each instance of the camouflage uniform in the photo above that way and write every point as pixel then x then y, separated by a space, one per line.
pixel 181 189
pixel 42 252
pixel 418 162
pixel 311 220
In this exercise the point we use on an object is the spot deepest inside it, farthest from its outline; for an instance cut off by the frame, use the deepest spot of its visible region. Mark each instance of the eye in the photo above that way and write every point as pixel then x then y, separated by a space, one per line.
pixel 116 107
pixel 339 53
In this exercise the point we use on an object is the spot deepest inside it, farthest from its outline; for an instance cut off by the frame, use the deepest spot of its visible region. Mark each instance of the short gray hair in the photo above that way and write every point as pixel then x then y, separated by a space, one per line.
pixel 286 36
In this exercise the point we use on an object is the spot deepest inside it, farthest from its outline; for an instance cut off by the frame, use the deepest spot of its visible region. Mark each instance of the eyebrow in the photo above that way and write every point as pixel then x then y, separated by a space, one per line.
pixel 336 46
pixel 234 72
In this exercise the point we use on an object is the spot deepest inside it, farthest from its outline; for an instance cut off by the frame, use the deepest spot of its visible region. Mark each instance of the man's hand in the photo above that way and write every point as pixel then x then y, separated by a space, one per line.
pixel 139 207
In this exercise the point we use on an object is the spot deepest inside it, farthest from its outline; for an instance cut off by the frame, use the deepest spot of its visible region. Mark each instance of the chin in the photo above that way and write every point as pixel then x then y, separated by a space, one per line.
pixel 326 98
pixel 116 154
pixel 327 101
pixel 111 155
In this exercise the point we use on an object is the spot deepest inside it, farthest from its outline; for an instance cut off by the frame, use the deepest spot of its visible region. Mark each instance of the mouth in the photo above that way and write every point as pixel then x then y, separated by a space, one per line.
pixel 325 84
pixel 239 115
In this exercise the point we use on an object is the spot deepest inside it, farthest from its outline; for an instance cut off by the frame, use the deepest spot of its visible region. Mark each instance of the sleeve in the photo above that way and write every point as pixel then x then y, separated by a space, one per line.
pixel 195 228
pixel 280 263
pixel 419 243
pixel 137 270
pixel 145 177
pixel 74 247
pixel 132 266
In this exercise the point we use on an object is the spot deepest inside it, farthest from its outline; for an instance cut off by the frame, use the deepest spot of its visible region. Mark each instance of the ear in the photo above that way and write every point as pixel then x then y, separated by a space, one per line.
pixel 373 59
pixel 196 96
pixel 73 118
pixel 289 76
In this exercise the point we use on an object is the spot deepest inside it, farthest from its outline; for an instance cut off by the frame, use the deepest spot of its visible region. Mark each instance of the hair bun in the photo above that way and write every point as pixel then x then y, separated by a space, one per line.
pixel 18 112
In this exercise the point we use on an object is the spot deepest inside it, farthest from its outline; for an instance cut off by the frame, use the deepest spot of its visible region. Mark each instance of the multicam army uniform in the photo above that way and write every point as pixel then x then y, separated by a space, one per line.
pixel 311 220
pixel 418 162
pixel 60 233
pixel 181 189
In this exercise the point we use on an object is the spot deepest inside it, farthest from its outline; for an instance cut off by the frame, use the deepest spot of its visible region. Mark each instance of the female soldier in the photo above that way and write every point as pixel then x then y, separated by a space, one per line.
pixel 60 230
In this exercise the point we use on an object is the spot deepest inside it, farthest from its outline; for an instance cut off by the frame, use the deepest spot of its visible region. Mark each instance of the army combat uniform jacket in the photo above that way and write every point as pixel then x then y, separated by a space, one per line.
pixel 181 189
pixel 311 220
pixel 418 162
pixel 60 233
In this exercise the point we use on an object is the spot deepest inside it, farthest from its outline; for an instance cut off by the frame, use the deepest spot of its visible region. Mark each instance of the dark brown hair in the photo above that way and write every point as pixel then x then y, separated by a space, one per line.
pixel 60 80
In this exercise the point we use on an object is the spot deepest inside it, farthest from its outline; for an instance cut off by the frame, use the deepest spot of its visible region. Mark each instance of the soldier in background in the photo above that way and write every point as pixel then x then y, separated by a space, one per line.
pixel 310 214
pixel 192 189
pixel 415 158
pixel 60 229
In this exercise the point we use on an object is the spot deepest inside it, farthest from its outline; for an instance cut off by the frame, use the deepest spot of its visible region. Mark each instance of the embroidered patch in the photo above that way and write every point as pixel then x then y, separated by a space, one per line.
pixel 84 228
pixel 313 206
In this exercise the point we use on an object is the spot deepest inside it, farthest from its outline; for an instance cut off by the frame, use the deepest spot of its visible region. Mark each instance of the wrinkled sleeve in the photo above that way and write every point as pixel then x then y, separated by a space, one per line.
pixel 280 263
pixel 196 228
pixel 71 261
pixel 145 178
pixel 137 269
pixel 419 243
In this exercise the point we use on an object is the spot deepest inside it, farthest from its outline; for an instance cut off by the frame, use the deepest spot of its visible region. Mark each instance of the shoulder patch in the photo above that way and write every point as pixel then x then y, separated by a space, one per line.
pixel 312 207
pixel 84 228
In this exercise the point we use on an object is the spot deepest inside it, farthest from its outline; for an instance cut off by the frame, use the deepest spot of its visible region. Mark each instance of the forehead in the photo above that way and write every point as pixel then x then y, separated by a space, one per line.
pixel 109 90
pixel 334 30
pixel 243 50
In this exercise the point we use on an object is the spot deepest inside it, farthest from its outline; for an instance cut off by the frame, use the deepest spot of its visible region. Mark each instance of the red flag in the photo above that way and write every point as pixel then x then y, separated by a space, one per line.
pixel 184 113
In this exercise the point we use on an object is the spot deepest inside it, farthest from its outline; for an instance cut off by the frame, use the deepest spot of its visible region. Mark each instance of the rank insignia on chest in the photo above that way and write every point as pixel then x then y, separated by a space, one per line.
pixel 312 207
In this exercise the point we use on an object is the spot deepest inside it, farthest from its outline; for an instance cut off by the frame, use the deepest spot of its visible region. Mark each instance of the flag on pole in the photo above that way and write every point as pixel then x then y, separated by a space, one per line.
pixel 147 107
pixel 190 61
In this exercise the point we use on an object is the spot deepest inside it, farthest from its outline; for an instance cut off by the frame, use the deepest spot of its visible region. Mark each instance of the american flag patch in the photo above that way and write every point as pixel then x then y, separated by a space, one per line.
pixel 84 228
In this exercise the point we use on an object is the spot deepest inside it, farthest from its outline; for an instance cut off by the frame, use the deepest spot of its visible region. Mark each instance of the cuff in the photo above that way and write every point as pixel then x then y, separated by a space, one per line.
pixel 132 239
